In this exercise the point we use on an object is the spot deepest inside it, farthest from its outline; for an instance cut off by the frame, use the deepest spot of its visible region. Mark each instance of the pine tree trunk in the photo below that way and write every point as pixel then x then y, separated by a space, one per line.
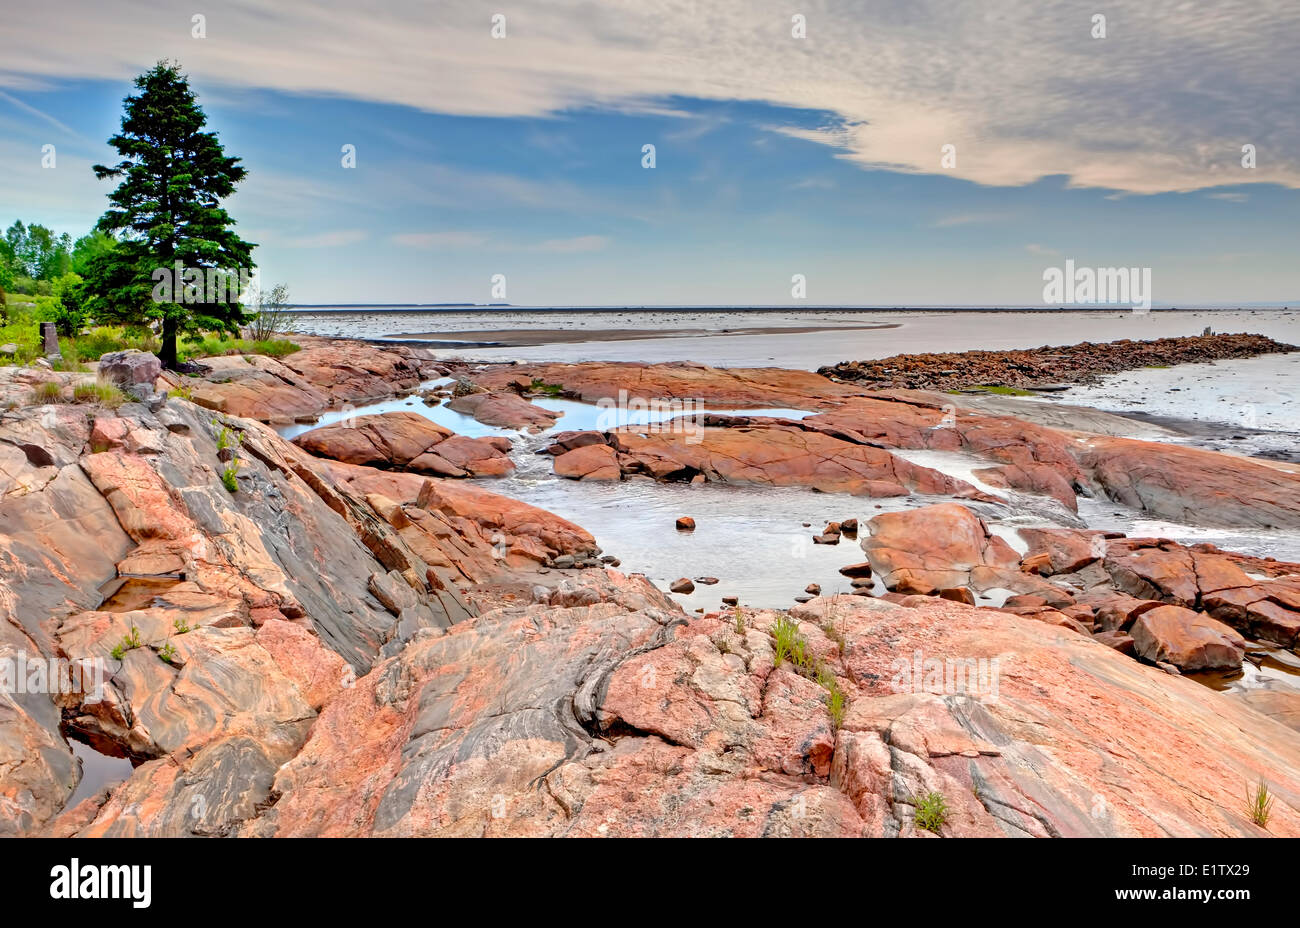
pixel 168 353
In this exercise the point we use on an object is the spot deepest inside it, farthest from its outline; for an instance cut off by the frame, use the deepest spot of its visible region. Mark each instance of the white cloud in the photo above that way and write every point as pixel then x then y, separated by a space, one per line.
pixel 1020 87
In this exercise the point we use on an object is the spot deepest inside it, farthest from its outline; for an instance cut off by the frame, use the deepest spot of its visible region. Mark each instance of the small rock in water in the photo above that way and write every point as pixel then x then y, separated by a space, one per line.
pixel 857 570
pixel 813 588
pixel 731 600
pixel 826 539
pixel 682 585
pixel 849 527
pixel 685 524
pixel 803 598
pixel 706 581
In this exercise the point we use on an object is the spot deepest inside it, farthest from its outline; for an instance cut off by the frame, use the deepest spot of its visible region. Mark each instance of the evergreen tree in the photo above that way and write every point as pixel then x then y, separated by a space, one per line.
pixel 166 213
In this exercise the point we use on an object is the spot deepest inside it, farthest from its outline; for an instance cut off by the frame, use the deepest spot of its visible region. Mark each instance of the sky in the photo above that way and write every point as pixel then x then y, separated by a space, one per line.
pixel 775 155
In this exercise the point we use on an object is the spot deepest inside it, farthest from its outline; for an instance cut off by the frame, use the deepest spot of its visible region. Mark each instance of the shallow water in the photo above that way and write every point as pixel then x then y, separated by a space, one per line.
pixel 98 771
pixel 914 331
pixel 1247 406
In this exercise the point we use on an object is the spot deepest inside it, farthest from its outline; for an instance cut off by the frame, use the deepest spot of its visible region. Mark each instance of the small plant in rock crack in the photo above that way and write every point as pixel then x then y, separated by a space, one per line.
pixel 1260 804
pixel 181 626
pixel 740 622
pixel 836 699
pixel 228 439
pixel 230 476
pixel 129 642
pixel 931 812
pixel 167 652
pixel 788 645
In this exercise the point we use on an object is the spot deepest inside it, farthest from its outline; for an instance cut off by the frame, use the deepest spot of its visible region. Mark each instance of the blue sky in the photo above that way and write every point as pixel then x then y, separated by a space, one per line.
pixel 537 174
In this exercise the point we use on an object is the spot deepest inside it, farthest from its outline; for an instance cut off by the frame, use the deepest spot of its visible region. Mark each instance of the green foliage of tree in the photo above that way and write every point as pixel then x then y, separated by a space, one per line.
pixel 167 210
pixel 88 247
pixel 36 252
pixel 68 312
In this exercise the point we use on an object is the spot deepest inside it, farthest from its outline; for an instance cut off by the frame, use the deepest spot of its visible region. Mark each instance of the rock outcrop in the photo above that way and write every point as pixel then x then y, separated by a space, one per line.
pixel 607 711
pixel 408 441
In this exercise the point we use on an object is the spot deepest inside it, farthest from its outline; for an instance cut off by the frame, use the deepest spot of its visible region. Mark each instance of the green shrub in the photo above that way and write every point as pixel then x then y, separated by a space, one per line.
pixel 931 812
pixel 129 642
pixel 230 477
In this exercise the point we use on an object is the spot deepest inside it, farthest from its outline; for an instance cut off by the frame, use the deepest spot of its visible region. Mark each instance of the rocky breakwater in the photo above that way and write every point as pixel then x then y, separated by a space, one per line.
pixel 201 588
pixel 1047 365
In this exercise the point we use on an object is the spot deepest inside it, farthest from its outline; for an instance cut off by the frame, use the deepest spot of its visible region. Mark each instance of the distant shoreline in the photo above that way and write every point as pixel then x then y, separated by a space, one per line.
pixel 342 308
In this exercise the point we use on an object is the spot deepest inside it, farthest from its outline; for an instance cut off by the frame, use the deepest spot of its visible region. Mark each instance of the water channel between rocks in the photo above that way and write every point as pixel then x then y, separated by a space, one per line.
pixel 758 541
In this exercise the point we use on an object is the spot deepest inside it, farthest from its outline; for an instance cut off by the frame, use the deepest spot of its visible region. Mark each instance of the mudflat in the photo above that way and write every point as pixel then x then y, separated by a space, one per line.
pixel 522 338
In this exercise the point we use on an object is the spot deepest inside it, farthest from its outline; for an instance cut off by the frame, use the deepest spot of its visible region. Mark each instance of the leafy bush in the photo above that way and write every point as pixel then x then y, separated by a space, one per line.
pixel 230 477
pixel 931 812
pixel 272 317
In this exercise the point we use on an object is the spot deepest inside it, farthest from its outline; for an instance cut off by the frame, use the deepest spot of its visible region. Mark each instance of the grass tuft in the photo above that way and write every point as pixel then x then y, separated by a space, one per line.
pixel 931 812
pixel 48 392
pixel 1259 804
pixel 103 394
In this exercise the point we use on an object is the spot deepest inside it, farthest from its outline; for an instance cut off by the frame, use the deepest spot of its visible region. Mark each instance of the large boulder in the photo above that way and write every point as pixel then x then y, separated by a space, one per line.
pixel 588 462
pixel 130 367
pixel 1188 640
pixel 937 547
pixel 408 441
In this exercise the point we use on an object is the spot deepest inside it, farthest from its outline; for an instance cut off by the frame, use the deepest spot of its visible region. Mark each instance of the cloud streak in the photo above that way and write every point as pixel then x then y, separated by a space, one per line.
pixel 1022 89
